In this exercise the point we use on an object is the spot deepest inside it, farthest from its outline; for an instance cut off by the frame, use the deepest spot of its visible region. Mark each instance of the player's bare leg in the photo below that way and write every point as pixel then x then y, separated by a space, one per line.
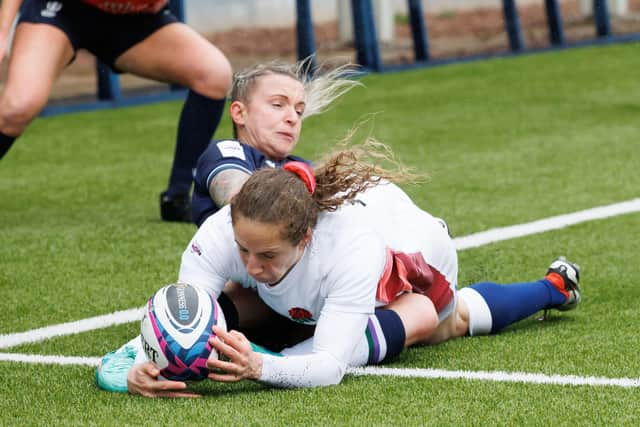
pixel 418 316
pixel 39 54
pixel 178 54
pixel 455 325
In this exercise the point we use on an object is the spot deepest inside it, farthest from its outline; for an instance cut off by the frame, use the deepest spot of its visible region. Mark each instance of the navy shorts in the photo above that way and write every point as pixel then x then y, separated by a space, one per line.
pixel 105 35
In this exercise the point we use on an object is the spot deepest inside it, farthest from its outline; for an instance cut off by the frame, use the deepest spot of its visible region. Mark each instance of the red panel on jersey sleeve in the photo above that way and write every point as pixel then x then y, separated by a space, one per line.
pixel 123 7
pixel 411 273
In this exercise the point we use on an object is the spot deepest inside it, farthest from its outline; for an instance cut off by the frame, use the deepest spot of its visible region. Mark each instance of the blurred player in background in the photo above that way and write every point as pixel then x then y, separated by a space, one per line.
pixel 141 37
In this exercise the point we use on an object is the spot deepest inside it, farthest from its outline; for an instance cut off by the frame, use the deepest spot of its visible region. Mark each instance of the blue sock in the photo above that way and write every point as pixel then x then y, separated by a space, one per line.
pixel 511 303
pixel 391 331
pixel 5 143
pixel 198 121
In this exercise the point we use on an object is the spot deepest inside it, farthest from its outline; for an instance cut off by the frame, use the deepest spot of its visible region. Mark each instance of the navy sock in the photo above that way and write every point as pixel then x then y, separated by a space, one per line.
pixel 511 303
pixel 5 143
pixel 393 334
pixel 198 121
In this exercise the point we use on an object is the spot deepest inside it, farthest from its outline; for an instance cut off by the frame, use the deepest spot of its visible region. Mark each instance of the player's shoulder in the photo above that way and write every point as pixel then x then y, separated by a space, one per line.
pixel 345 232
pixel 221 155
pixel 227 148
pixel 293 158
pixel 217 227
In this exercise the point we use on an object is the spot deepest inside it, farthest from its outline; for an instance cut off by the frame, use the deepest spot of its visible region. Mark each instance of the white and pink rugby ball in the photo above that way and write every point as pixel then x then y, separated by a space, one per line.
pixel 175 330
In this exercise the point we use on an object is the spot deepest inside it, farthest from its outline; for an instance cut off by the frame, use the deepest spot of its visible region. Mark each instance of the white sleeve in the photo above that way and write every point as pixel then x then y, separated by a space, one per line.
pixel 334 341
pixel 350 299
pixel 208 260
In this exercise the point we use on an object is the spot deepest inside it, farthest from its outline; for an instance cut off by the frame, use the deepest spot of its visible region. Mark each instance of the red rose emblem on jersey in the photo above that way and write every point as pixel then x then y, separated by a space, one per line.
pixel 300 315
pixel 196 249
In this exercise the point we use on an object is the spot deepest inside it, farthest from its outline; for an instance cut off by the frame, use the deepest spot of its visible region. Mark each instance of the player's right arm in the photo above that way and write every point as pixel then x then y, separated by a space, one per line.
pixel 8 11
pixel 226 184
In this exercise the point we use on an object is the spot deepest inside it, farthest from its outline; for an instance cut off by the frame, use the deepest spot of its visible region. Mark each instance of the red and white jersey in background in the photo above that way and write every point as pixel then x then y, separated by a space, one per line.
pixel 125 7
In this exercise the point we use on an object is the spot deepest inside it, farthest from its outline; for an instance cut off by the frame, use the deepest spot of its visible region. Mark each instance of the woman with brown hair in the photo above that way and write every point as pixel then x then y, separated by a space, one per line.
pixel 343 248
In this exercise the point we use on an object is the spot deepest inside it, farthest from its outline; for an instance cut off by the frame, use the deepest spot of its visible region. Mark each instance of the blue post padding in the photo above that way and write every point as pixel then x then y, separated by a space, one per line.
pixel 556 33
pixel 358 33
pixel 108 82
pixel 305 33
pixel 601 16
pixel 512 25
pixel 418 30
pixel 364 29
pixel 177 8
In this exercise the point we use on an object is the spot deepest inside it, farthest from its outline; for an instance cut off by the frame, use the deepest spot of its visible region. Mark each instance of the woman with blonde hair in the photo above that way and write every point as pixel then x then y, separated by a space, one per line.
pixel 268 104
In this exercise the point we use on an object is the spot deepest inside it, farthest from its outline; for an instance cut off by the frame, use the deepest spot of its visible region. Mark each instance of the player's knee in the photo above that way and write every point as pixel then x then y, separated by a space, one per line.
pixel 418 315
pixel 456 324
pixel 16 112
pixel 426 322
pixel 213 81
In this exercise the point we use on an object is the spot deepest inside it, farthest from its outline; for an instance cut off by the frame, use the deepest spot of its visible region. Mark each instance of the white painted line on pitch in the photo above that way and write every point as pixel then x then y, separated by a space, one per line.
pixel 84 325
pixel 466 242
pixel 49 360
pixel 498 376
pixel 552 223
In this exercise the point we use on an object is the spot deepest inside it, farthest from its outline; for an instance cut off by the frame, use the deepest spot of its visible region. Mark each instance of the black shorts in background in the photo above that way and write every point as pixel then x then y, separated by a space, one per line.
pixel 105 35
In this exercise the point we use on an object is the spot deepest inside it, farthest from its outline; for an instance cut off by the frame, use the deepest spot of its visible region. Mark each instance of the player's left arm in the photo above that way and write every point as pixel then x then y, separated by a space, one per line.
pixel 209 259
pixel 350 298
pixel 334 342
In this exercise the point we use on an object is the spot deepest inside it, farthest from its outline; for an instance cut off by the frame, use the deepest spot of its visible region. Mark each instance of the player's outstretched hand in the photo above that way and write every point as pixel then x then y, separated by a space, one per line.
pixel 143 380
pixel 235 360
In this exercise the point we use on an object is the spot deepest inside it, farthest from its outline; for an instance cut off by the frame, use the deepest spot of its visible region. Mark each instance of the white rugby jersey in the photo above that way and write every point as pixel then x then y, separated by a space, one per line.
pixel 335 284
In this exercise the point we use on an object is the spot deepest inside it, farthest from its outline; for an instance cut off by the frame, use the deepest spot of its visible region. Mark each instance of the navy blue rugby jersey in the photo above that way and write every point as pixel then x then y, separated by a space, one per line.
pixel 219 156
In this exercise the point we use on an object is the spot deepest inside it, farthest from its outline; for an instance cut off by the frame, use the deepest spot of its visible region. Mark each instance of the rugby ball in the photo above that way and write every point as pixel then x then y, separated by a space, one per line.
pixel 175 330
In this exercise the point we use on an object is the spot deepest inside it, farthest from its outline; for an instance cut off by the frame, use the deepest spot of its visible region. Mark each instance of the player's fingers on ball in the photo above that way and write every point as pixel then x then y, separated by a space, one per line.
pixel 149 369
pixel 171 385
pixel 221 365
pixel 225 348
pixel 240 341
pixel 228 337
pixel 217 330
pixel 220 347
pixel 235 340
pixel 214 363
pixel 236 334
pixel 215 339
pixel 225 378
